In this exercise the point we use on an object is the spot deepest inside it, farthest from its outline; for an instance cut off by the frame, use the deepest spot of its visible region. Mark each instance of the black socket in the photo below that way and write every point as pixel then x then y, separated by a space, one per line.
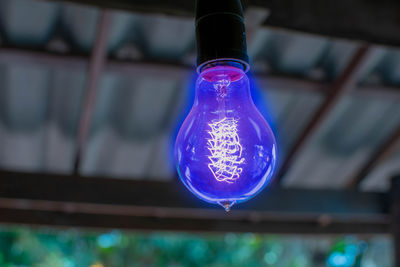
pixel 220 31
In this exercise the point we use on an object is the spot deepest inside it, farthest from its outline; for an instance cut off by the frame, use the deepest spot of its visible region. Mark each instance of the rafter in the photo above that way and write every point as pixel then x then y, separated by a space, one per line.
pixel 382 153
pixel 176 71
pixel 371 21
pixel 96 66
pixel 60 200
pixel 343 85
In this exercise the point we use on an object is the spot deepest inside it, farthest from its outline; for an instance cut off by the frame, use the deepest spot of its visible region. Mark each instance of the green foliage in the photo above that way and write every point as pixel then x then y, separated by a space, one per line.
pixel 23 247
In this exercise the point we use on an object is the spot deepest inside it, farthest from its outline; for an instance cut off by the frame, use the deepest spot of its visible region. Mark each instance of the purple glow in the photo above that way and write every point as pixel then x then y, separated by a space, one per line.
pixel 225 151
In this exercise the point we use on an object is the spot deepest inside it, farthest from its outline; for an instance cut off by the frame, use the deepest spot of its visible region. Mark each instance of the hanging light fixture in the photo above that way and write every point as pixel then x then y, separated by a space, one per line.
pixel 225 151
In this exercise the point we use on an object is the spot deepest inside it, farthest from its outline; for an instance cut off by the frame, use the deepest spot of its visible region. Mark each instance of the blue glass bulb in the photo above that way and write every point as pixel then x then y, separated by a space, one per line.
pixel 225 151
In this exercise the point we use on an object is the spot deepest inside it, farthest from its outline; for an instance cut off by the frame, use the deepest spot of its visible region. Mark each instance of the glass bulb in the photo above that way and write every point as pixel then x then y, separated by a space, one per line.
pixel 225 151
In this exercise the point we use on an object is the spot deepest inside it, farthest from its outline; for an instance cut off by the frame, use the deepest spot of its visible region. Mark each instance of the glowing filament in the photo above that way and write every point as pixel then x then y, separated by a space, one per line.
pixel 226 151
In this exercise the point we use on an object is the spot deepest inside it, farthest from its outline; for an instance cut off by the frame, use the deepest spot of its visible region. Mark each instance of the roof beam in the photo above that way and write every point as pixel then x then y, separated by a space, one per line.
pixel 374 21
pixel 96 66
pixel 60 200
pixel 344 84
pixel 382 153
pixel 176 71
pixel 144 68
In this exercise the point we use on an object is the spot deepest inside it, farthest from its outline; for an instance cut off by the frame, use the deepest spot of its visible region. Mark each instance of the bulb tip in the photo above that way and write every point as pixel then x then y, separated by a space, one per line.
pixel 227 205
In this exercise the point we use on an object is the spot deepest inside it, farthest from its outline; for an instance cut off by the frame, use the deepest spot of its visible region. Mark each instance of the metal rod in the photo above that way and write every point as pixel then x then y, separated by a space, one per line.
pixel 383 152
pixel 344 84
pixel 96 66
pixel 71 200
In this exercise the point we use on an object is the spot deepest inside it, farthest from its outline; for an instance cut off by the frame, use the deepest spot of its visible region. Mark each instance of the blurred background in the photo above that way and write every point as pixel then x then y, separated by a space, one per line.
pixel 99 90
pixel 23 246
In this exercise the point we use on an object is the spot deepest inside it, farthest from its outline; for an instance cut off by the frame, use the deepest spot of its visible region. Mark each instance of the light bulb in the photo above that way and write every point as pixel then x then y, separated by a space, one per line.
pixel 225 152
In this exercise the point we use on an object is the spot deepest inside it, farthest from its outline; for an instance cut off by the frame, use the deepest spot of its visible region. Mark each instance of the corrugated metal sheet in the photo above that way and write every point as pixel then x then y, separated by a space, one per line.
pixel 379 178
pixel 135 116
pixel 345 142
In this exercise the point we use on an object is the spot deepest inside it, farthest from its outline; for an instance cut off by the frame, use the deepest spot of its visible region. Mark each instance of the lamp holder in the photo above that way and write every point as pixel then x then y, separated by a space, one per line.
pixel 220 32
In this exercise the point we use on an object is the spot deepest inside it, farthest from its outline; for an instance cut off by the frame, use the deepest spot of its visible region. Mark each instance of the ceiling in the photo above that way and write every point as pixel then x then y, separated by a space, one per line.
pixel 136 115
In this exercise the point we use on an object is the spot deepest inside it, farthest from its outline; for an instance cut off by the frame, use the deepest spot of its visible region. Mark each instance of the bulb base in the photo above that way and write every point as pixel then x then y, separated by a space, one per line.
pixel 230 62
pixel 220 31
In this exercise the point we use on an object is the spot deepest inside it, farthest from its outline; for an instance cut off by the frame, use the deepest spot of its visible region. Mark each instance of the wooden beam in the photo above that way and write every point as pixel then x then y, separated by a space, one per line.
pixel 180 8
pixel 371 21
pixel 155 223
pixel 344 84
pixel 382 153
pixel 145 68
pixel 175 71
pixel 96 66
pixel 24 56
pixel 61 200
